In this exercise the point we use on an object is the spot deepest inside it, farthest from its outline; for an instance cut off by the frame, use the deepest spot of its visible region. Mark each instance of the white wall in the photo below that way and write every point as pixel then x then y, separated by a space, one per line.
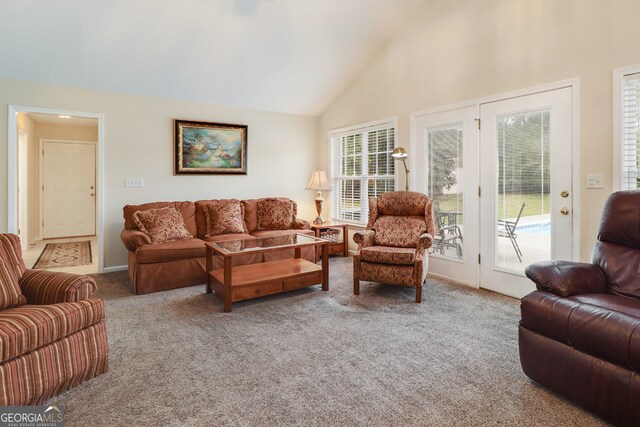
pixel 139 143
pixel 456 51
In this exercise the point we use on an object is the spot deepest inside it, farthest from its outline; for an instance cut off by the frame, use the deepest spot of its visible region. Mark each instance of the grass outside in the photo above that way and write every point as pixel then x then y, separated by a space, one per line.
pixel 534 204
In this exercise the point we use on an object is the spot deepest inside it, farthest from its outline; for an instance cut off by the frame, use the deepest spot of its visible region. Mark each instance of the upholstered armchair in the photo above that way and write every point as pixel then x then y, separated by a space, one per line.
pixel 393 248
pixel 52 333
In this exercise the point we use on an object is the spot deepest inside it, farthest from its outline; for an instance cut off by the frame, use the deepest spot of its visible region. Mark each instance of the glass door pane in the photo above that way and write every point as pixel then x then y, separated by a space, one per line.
pixel 445 178
pixel 523 189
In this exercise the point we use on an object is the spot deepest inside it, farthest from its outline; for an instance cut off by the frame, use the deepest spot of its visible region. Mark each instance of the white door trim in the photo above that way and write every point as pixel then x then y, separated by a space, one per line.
pixel 573 83
pixel 41 174
pixel 12 176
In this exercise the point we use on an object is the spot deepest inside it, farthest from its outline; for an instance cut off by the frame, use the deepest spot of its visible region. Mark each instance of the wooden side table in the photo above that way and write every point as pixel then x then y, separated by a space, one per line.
pixel 337 246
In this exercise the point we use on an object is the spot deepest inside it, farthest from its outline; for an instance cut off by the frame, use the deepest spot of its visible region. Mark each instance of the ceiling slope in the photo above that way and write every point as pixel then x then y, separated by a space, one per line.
pixel 292 56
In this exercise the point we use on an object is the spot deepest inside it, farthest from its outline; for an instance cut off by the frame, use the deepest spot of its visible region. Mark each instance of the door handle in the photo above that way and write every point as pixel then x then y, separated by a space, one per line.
pixel 564 194
pixel 91 187
pixel 564 211
pixel 92 194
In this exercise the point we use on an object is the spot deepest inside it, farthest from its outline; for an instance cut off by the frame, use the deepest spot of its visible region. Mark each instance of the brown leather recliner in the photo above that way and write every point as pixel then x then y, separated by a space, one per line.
pixel 580 331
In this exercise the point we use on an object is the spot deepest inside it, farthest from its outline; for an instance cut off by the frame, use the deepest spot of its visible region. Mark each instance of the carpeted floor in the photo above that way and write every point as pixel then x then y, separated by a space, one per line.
pixel 314 358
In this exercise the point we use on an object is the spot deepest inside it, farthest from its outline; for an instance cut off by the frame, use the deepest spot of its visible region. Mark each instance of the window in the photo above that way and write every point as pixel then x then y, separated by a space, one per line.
pixel 628 128
pixel 361 168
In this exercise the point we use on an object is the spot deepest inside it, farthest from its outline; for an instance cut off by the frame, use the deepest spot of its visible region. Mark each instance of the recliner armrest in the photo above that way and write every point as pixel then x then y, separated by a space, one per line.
pixel 424 242
pixel 50 287
pixel 364 238
pixel 566 278
pixel 133 239
pixel 301 224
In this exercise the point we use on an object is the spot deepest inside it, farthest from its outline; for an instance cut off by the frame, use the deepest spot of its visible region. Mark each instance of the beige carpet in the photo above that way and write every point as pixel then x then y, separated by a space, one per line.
pixel 60 255
pixel 313 358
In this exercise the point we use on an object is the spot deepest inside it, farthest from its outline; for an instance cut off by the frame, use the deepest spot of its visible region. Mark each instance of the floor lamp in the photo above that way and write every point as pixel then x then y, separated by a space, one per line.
pixel 319 183
pixel 400 153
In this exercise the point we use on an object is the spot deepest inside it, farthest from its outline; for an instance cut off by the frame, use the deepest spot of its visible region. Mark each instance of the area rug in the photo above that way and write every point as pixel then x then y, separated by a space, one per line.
pixel 58 255
pixel 314 358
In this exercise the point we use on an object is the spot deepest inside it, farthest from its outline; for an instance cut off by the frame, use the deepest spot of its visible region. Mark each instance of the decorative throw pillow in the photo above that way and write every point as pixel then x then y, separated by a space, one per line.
pixel 275 214
pixel 10 293
pixel 225 218
pixel 162 225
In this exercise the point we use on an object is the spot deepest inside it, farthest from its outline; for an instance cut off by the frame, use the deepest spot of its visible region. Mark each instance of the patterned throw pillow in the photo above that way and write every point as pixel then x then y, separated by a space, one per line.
pixel 10 293
pixel 399 231
pixel 275 214
pixel 162 225
pixel 225 218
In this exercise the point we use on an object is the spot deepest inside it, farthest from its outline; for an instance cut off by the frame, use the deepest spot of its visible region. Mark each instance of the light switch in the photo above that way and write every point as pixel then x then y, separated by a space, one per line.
pixel 134 182
pixel 595 180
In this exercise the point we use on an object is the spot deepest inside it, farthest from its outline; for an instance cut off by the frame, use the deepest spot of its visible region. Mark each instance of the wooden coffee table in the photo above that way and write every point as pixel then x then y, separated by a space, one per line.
pixel 244 282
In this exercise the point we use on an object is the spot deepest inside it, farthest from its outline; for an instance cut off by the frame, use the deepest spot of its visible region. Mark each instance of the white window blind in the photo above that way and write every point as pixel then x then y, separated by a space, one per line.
pixel 630 131
pixel 361 168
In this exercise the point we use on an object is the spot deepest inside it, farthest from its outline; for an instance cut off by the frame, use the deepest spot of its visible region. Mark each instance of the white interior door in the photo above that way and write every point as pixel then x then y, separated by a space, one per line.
pixel 526 181
pixel 23 194
pixel 69 179
pixel 445 166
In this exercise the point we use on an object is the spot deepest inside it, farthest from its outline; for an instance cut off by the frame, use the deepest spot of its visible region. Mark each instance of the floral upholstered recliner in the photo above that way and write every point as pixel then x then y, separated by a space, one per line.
pixel 393 248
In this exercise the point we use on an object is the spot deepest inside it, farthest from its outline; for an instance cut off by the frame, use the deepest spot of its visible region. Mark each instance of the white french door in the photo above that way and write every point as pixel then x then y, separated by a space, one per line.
pixel 503 194
pixel 445 166
pixel 526 181
pixel 69 195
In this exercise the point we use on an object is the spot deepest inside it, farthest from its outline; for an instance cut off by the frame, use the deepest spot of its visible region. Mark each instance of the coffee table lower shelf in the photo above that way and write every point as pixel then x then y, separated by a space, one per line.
pixel 267 278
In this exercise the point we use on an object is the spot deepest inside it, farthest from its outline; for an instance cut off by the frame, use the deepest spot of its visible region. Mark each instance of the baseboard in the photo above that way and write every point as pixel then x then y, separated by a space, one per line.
pixel 449 279
pixel 114 268
pixel 35 240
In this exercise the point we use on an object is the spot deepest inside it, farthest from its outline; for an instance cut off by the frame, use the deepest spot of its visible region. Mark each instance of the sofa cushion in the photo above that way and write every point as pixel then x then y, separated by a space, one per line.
pixel 10 293
pixel 170 251
pixel 275 214
pixel 273 233
pixel 388 255
pixel 30 327
pixel 225 218
pixel 399 231
pixel 186 209
pixel 162 225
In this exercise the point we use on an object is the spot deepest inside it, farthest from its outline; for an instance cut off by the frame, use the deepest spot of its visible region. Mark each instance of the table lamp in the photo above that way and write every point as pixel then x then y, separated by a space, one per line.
pixel 319 183
pixel 400 153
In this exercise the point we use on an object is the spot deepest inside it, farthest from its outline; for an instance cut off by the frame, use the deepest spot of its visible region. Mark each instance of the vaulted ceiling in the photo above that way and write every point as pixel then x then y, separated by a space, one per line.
pixel 291 56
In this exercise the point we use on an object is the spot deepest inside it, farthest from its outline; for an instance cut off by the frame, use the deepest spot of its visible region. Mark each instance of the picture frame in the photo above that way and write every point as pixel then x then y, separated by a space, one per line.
pixel 210 148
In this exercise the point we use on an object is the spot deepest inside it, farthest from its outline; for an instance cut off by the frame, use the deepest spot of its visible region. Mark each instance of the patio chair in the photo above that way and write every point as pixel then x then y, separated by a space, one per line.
pixel 445 234
pixel 508 229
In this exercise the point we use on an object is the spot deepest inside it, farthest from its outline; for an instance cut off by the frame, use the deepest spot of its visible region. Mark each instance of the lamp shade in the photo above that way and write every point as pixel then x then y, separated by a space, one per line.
pixel 319 181
pixel 399 153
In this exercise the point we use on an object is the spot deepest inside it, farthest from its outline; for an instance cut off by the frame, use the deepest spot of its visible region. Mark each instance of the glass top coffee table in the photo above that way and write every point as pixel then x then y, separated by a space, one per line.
pixel 238 283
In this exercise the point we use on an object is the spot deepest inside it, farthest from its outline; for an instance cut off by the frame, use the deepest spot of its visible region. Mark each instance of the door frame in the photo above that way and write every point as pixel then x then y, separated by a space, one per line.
pixel 12 170
pixel 41 175
pixel 574 84
pixel 23 193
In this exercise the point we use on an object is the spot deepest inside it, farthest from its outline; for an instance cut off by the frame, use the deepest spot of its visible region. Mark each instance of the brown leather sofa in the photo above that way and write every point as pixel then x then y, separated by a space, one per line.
pixel 580 331
pixel 180 263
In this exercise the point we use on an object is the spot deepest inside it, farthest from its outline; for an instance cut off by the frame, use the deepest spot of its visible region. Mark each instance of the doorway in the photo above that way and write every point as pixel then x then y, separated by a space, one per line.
pixel 74 143
pixel 500 172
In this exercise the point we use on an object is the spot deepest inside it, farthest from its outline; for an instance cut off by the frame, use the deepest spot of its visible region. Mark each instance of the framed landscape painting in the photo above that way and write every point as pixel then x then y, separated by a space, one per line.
pixel 210 148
